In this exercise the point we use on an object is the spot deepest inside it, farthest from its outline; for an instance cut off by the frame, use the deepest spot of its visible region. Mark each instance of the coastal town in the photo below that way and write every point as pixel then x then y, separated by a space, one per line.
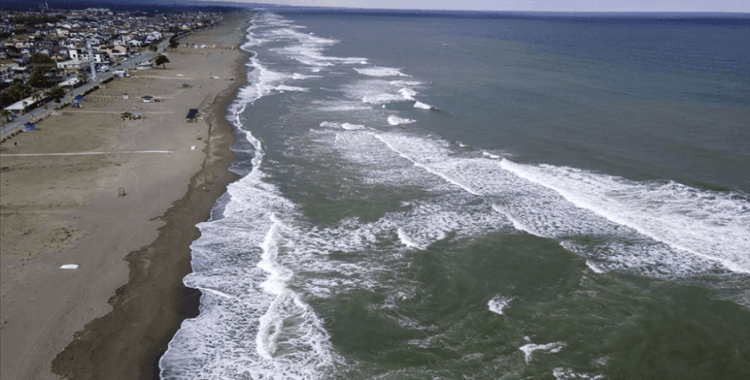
pixel 46 54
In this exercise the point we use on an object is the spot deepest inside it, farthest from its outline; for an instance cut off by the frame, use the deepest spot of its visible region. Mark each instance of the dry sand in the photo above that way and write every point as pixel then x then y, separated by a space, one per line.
pixel 113 316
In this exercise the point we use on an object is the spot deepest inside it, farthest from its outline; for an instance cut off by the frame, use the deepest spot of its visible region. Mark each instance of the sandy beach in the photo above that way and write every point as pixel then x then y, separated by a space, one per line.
pixel 120 199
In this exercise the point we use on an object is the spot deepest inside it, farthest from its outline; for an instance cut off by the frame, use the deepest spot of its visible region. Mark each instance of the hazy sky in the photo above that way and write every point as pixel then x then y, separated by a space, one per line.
pixel 534 5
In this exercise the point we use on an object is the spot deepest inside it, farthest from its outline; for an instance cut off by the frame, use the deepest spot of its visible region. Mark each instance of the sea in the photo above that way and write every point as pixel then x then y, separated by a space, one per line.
pixel 468 195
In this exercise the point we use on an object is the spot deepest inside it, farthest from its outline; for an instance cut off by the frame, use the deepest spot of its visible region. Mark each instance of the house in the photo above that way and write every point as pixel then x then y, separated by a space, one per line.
pixel 72 82
pixel 71 64
pixel 7 71
pixel 20 107
pixel 82 54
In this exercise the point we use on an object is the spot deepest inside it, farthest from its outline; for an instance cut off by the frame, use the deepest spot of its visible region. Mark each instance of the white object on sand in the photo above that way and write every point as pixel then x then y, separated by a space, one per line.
pixel 192 148
pixel 69 266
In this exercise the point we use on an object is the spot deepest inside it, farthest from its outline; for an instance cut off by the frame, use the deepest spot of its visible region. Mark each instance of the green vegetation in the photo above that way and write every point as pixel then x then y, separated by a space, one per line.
pixel 56 93
pixel 36 19
pixel 161 60
pixel 14 93
pixel 38 79
pixel 92 89
pixel 40 58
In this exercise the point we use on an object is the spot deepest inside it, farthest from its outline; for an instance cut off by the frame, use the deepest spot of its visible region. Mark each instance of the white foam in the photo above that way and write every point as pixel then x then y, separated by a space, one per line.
pixel 245 303
pixel 427 167
pixel 407 93
pixel 395 120
pixel 569 374
pixel 346 126
pixel 284 87
pixel 490 155
pixel 423 106
pixel 498 303
pixel 405 83
pixel 709 225
pixel 344 107
pixel 302 76
pixel 407 240
pixel 381 98
pixel 217 292
pixel 351 127
pixel 380 72
pixel 308 49
pixel 549 347
pixel 595 268
pixel 516 223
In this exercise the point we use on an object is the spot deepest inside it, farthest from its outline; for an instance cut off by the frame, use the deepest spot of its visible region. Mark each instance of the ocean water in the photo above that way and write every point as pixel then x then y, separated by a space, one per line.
pixel 480 196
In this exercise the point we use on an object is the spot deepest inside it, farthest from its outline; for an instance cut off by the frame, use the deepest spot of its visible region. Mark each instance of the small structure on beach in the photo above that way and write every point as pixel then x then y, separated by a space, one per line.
pixel 127 116
pixel 148 99
pixel 186 85
pixel 77 101
pixel 28 127
pixel 192 115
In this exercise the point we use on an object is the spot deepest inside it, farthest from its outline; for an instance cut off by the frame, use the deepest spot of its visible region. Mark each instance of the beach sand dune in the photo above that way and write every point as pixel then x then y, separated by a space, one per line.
pixel 126 219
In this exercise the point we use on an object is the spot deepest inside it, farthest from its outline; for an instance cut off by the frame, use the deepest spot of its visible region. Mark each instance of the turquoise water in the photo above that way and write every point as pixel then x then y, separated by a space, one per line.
pixel 451 196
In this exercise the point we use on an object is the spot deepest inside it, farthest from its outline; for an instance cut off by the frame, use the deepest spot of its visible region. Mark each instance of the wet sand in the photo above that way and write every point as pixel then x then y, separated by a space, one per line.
pixel 113 316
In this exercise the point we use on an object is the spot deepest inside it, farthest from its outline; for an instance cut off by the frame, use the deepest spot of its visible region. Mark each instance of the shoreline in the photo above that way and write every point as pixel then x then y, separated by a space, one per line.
pixel 114 316
pixel 120 345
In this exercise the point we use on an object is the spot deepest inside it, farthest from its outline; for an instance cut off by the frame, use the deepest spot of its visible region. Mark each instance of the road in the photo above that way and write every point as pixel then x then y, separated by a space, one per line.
pixel 41 111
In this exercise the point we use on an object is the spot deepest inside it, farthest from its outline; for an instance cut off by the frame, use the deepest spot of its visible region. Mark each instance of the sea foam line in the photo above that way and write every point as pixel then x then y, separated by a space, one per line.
pixel 427 168
pixel 602 211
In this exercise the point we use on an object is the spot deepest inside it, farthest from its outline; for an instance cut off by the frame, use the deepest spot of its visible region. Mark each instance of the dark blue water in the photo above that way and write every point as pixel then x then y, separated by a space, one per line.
pixel 487 196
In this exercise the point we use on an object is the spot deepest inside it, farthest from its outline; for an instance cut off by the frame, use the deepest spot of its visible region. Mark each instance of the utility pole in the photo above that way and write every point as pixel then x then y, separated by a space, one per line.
pixel 91 59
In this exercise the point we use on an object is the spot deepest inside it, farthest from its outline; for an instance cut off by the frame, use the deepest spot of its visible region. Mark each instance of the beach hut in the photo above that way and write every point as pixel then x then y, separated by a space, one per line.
pixel 131 115
pixel 147 99
pixel 28 127
pixel 77 101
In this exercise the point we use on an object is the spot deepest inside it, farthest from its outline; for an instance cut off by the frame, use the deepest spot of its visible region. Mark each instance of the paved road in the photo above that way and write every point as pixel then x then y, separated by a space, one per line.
pixel 41 111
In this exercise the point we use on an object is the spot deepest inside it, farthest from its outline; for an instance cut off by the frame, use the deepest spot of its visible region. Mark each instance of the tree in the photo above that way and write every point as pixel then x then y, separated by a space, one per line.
pixel 83 77
pixel 38 79
pixel 56 93
pixel 37 96
pixel 41 58
pixel 153 48
pixel 161 60
pixel 14 93
pixel 173 43
pixel 6 115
